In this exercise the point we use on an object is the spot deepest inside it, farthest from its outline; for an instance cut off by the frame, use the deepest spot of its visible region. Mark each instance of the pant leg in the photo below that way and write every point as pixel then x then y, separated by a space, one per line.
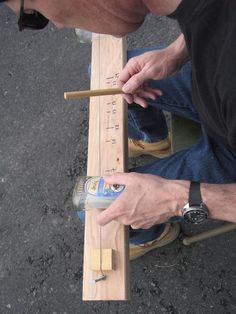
pixel 146 124
pixel 205 161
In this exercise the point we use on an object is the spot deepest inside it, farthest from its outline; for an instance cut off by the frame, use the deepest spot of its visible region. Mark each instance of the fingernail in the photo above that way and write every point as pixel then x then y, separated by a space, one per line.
pixel 130 102
pixel 126 88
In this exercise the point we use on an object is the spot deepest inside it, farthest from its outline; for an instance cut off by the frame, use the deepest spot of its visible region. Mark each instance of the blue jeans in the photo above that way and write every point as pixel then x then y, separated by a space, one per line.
pixel 205 161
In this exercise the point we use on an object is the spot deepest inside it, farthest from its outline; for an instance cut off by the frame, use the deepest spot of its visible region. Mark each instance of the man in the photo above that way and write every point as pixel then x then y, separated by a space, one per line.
pixel 196 183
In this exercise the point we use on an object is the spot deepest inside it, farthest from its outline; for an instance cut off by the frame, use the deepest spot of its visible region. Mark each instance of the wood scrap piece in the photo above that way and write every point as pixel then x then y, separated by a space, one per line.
pixel 106 255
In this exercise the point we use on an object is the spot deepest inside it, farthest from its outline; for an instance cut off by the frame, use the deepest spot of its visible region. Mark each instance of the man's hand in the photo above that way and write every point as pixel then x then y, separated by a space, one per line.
pixel 152 65
pixel 147 200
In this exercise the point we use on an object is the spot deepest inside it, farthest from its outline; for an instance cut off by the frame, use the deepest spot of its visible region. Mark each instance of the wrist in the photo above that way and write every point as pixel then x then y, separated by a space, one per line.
pixel 220 200
pixel 179 50
pixel 181 194
pixel 195 211
pixel 208 191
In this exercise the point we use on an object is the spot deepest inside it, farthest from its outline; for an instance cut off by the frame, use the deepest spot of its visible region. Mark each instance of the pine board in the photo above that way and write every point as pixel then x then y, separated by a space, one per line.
pixel 107 153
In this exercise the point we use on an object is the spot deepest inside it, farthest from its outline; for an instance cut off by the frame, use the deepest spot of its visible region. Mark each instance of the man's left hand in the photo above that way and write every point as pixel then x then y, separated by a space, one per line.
pixel 146 200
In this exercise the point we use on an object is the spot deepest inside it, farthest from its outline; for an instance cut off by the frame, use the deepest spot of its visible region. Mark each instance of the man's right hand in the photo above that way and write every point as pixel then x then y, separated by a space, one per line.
pixel 152 65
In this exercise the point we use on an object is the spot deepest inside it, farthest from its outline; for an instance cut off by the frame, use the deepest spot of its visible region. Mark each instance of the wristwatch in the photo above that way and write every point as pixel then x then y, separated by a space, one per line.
pixel 195 211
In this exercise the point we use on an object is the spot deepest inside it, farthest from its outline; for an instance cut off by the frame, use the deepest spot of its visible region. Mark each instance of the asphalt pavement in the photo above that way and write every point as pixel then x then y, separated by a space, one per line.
pixel 43 148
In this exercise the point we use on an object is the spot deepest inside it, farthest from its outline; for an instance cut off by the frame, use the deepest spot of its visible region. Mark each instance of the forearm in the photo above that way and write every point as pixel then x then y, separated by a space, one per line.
pixel 220 200
pixel 179 50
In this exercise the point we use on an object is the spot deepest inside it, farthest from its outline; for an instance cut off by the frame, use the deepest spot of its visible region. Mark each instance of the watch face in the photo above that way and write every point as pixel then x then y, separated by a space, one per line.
pixel 195 216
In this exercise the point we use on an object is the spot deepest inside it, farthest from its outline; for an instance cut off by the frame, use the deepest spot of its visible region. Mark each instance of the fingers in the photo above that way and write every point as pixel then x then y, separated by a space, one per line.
pixel 128 207
pixel 128 98
pixel 132 78
pixel 134 83
pixel 150 93
pixel 117 178
pixel 140 101
pixel 142 96
pixel 125 74
pixel 123 178
pixel 141 225
pixel 154 91
pixel 107 215
pixel 131 69
pixel 116 209
pixel 131 99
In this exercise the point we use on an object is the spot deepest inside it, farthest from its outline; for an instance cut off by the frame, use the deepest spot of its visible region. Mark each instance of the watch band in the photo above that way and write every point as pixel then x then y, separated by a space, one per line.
pixel 195 197
pixel 195 211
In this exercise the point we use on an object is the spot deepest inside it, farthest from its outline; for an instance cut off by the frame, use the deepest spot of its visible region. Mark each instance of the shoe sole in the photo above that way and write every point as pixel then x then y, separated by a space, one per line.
pixel 165 151
pixel 160 154
pixel 170 234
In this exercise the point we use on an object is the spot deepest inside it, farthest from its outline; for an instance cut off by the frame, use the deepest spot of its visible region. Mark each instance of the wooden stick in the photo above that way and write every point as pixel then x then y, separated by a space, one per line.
pixel 210 233
pixel 94 92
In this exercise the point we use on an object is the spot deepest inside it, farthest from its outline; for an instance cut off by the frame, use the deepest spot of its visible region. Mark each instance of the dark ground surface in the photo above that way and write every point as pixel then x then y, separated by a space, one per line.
pixel 42 150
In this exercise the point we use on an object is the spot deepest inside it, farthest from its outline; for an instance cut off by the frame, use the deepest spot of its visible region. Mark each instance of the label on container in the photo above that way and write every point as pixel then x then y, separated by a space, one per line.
pixel 98 187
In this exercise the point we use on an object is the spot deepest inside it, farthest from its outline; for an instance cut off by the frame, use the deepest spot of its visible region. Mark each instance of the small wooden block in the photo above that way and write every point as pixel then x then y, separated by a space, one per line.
pixel 107 259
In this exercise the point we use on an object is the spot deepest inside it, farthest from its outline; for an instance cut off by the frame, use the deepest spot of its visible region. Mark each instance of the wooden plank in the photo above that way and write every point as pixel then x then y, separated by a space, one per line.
pixel 107 153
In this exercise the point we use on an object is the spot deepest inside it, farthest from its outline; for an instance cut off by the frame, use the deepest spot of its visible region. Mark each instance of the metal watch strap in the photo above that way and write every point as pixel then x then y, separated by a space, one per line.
pixel 195 197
